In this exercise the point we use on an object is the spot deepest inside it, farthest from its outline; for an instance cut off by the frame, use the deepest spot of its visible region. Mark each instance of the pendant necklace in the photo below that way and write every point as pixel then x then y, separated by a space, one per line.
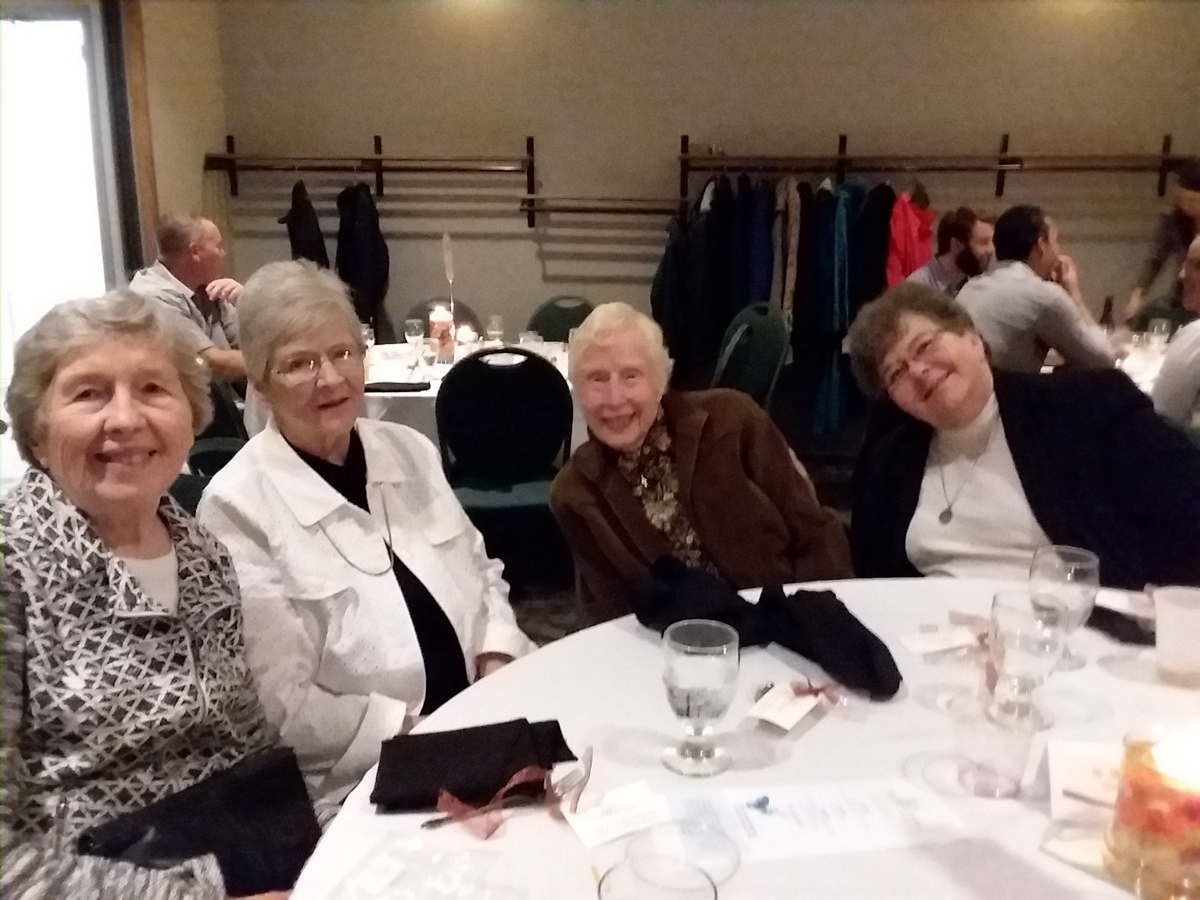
pixel 947 514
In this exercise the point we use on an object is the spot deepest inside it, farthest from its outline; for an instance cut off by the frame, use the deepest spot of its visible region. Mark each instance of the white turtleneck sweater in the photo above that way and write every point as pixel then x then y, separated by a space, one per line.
pixel 992 532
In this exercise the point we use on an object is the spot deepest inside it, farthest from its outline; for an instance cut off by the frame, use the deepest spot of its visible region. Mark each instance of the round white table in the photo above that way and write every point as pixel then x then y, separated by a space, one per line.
pixel 604 686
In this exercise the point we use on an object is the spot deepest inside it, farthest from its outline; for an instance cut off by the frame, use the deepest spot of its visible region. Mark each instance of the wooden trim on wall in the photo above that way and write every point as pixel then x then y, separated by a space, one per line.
pixel 134 55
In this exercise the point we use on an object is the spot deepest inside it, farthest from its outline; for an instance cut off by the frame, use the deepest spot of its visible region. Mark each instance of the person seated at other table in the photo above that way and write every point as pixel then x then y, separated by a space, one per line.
pixel 123 671
pixel 369 597
pixel 704 476
pixel 1176 231
pixel 973 469
pixel 964 250
pixel 1031 303
pixel 1176 391
pixel 188 278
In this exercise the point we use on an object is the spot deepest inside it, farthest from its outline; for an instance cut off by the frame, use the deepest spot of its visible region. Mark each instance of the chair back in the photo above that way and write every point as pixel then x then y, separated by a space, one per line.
pixel 187 490
pixel 503 417
pixel 227 420
pixel 555 318
pixel 463 314
pixel 752 353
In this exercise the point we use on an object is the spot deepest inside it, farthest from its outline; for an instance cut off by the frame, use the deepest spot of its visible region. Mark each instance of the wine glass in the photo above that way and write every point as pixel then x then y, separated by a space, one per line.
pixel 1026 639
pixel 414 330
pixel 1158 334
pixel 1070 577
pixel 368 336
pixel 700 670
pixel 495 328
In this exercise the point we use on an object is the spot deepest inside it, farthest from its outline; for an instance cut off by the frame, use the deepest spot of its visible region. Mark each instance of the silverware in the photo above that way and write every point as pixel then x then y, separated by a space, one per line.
pixel 574 781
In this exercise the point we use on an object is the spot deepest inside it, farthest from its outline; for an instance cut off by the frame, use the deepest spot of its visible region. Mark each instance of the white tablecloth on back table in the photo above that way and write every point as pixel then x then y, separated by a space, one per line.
pixel 604 686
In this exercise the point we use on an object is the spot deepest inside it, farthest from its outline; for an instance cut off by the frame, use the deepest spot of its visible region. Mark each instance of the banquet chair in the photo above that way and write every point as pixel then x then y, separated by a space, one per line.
pixel 504 429
pixel 752 353
pixel 224 436
pixel 555 318
pixel 463 314
pixel 187 490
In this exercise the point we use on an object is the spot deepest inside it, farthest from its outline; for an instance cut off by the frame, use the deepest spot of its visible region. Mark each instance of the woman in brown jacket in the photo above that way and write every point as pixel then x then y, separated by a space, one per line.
pixel 704 476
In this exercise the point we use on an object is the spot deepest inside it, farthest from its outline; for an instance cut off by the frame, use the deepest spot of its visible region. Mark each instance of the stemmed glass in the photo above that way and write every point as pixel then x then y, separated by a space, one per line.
pixel 495 328
pixel 700 670
pixel 1070 578
pixel 429 353
pixel 1026 640
pixel 414 330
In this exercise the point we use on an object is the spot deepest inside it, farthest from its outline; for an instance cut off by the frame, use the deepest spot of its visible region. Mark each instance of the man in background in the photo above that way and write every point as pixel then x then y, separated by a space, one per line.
pixel 1177 389
pixel 1031 303
pixel 964 250
pixel 189 278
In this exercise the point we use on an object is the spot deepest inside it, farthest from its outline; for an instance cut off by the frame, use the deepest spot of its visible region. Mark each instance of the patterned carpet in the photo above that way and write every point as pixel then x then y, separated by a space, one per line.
pixel 546 614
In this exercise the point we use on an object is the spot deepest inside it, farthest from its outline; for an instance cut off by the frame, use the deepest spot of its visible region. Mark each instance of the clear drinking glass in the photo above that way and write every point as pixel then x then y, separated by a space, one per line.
pixel 368 336
pixel 656 878
pixel 1026 640
pixel 1158 334
pixel 414 330
pixel 495 328
pixel 1067 579
pixel 429 352
pixel 700 670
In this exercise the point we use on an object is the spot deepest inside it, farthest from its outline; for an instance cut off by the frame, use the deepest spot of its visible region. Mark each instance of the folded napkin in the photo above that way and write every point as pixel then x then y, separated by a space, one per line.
pixel 255 817
pixel 396 387
pixel 474 764
pixel 815 624
pixel 1122 627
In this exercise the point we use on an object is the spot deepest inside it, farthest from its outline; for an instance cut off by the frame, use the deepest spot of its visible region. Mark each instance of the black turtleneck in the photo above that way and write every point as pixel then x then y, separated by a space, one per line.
pixel 445 667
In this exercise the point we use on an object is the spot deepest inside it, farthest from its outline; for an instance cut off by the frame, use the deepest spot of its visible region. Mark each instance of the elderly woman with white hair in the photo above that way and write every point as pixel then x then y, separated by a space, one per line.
pixel 120 628
pixel 705 477
pixel 369 597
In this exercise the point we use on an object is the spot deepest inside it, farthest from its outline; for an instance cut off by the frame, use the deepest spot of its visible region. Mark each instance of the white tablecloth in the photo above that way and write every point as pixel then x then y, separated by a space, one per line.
pixel 604 686
pixel 417 410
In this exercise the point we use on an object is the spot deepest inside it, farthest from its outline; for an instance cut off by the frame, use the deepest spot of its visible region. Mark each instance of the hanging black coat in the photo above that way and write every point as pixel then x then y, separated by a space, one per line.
pixel 362 256
pixel 304 229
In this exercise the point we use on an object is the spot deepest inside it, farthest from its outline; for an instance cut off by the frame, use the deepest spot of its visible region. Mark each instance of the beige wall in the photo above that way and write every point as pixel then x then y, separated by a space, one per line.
pixel 607 87
pixel 187 99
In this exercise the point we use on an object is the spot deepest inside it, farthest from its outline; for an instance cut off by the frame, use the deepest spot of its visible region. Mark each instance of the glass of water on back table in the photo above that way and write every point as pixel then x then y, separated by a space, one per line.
pixel 700 670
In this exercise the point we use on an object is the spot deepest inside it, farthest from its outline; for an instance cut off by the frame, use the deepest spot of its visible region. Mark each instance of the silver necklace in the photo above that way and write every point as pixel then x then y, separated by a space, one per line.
pixel 386 542
pixel 947 514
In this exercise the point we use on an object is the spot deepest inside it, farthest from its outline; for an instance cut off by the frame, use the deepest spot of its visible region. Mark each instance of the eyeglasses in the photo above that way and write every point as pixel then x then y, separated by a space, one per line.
pixel 302 369
pixel 920 351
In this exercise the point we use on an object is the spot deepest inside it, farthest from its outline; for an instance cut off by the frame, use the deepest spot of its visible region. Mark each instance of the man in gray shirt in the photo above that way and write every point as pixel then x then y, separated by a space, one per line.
pixel 1176 391
pixel 188 278
pixel 1031 304
pixel 964 250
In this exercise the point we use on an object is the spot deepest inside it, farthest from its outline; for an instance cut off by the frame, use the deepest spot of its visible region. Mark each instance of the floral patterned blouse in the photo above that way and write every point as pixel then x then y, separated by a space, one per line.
pixel 650 472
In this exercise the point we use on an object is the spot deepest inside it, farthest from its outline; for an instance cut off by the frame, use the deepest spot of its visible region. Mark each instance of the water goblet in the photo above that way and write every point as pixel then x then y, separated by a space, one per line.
pixel 414 330
pixel 1070 578
pixel 700 670
pixel 1158 334
pixel 1026 640
pixel 368 336
pixel 495 328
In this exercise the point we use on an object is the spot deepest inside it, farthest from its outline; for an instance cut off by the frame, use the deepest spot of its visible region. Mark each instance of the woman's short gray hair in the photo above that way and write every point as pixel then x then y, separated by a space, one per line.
pixel 877 327
pixel 285 299
pixel 76 324
pixel 608 319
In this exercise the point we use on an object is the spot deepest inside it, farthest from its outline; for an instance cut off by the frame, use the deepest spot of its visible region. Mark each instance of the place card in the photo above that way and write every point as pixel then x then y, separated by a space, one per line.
pixel 621 811
pixel 1084 778
pixel 941 640
pixel 781 707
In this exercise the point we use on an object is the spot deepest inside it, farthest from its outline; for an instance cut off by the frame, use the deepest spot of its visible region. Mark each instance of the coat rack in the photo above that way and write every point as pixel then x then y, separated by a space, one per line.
pixel 1004 163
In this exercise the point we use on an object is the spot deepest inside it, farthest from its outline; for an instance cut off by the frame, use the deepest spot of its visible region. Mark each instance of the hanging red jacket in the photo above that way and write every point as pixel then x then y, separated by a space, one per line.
pixel 912 239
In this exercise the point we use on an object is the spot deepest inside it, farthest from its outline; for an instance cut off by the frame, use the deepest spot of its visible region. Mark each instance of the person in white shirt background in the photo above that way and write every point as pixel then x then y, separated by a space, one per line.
pixel 189 278
pixel 1031 303
pixel 1176 391
pixel 369 597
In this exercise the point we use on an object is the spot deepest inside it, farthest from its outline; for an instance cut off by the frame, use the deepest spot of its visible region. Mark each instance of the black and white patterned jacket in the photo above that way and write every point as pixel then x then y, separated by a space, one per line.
pixel 108 702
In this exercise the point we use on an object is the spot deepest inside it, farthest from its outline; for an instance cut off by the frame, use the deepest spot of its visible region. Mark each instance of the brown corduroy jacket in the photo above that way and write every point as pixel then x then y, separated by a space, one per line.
pixel 752 506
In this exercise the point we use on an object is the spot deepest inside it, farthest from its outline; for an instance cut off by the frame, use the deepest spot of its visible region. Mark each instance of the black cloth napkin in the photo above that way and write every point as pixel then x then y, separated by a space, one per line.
pixel 255 817
pixel 815 624
pixel 396 387
pixel 473 764
pixel 1122 627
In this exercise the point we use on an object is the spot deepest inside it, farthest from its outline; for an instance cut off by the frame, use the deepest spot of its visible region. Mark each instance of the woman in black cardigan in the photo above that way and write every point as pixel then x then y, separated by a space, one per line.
pixel 966 471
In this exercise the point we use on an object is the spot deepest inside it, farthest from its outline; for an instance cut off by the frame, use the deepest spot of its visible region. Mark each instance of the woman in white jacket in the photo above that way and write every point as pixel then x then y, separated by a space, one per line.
pixel 369 598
